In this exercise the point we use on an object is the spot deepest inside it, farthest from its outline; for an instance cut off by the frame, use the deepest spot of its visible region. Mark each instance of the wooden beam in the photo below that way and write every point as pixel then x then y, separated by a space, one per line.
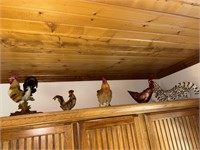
pixel 105 50
pixel 179 66
pixel 183 25
pixel 41 41
pixel 190 2
pixel 23 30
pixel 96 10
pixel 187 8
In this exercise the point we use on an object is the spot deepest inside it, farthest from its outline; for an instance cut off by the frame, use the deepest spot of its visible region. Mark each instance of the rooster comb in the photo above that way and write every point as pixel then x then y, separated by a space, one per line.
pixel 104 79
pixel 14 75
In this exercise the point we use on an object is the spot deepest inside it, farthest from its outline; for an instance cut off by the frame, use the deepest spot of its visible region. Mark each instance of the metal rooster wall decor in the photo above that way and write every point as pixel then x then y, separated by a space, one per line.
pixel 22 96
pixel 66 105
pixel 179 91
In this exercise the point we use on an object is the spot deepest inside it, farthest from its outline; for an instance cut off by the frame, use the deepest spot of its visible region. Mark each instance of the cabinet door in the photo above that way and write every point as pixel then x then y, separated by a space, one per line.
pixel 112 133
pixel 176 130
pixel 58 137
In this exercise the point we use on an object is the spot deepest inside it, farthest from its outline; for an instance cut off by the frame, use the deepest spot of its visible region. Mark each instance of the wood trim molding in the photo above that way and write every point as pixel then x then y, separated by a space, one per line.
pixel 95 113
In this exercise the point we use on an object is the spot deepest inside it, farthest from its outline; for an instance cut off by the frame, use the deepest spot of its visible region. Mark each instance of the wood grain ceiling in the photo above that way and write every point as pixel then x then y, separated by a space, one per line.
pixel 74 40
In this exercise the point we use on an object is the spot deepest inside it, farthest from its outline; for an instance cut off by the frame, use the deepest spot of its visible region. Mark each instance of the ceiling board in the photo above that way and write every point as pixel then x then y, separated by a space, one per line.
pixel 73 40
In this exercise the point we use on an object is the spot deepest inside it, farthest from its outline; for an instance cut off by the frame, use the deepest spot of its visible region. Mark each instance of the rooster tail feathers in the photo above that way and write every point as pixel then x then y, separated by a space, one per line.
pixel 58 97
pixel 129 92
pixel 31 82
pixel 189 86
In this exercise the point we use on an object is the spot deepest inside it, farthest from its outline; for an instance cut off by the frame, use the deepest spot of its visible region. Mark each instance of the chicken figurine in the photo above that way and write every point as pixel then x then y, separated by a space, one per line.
pixel 22 96
pixel 145 95
pixel 104 95
pixel 68 105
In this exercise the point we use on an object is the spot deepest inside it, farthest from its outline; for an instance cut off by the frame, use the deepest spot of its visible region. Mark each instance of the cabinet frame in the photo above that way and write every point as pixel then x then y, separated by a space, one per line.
pixel 74 126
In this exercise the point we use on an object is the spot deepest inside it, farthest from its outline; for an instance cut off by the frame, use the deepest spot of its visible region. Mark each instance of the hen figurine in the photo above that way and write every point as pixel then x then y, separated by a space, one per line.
pixel 104 95
pixel 22 96
pixel 68 105
pixel 145 95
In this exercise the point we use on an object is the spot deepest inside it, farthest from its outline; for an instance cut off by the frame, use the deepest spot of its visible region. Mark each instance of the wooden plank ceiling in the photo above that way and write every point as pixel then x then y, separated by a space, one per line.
pixel 68 40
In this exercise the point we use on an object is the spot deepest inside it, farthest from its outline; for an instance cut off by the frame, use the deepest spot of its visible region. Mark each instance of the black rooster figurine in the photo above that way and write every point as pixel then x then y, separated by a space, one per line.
pixel 22 96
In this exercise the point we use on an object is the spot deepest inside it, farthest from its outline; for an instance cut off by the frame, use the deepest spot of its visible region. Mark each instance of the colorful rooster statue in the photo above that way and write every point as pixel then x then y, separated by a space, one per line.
pixel 104 95
pixel 22 96
pixel 145 95
pixel 68 105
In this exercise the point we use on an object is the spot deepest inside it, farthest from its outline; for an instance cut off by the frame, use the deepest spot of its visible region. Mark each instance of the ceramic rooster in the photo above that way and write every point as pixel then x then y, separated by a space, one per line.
pixel 104 95
pixel 22 96
pixel 145 95
pixel 68 105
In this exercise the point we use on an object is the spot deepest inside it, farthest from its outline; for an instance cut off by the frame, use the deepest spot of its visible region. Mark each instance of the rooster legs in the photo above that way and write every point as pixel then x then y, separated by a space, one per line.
pixel 105 104
pixel 24 106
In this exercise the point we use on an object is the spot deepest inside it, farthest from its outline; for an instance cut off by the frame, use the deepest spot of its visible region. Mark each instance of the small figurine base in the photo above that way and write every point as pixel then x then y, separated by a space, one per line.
pixel 23 112
pixel 25 109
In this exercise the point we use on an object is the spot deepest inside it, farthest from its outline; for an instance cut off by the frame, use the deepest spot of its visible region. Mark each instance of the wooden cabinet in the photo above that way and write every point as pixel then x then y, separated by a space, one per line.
pixel 58 137
pixel 111 133
pixel 174 130
pixel 163 125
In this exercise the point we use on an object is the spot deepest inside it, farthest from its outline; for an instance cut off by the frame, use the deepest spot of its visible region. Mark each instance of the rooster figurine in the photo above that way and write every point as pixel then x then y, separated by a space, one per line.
pixel 68 105
pixel 145 95
pixel 22 96
pixel 104 95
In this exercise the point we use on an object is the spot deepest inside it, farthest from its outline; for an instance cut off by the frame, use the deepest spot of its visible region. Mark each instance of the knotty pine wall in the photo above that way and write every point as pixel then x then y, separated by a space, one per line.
pixel 85 91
